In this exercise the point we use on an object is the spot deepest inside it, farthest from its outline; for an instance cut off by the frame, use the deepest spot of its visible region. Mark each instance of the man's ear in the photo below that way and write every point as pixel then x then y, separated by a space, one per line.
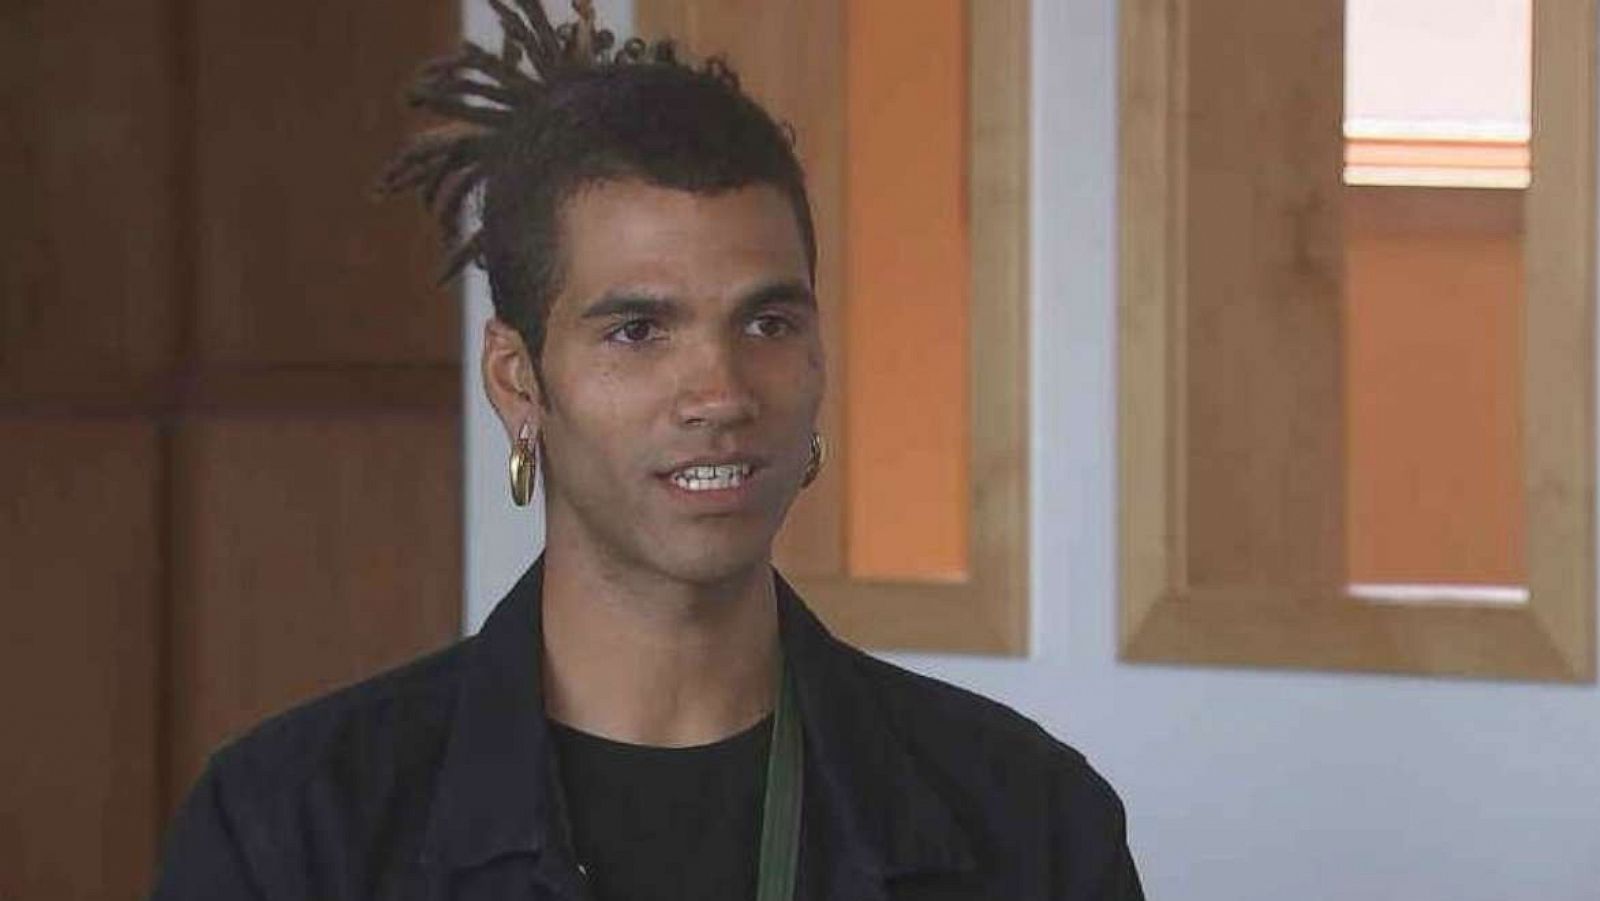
pixel 508 378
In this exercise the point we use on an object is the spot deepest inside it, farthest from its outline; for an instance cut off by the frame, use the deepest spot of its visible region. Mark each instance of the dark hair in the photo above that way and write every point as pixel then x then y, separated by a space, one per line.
pixel 529 141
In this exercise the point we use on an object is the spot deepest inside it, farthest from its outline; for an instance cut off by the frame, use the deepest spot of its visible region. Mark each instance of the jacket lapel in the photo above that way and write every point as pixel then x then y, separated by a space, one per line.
pixel 496 794
pixel 870 813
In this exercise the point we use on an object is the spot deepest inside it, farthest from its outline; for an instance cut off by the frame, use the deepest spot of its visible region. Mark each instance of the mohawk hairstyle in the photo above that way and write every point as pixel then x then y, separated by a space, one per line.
pixel 561 107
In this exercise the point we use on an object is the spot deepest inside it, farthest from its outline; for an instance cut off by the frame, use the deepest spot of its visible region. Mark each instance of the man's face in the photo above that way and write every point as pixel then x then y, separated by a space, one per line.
pixel 683 372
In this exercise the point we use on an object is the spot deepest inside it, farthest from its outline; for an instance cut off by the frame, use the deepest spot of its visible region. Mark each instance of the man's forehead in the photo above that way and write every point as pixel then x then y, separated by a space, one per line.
pixel 670 240
pixel 627 197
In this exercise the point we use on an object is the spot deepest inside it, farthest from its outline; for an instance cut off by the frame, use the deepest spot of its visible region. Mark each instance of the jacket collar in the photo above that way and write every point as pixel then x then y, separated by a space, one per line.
pixel 497 792
pixel 877 805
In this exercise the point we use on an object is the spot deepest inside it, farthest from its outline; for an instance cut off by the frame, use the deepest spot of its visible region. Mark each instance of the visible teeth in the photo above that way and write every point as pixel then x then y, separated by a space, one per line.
pixel 711 478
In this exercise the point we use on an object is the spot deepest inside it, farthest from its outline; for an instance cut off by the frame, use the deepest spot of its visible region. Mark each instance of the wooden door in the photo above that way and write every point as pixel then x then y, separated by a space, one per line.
pixel 229 401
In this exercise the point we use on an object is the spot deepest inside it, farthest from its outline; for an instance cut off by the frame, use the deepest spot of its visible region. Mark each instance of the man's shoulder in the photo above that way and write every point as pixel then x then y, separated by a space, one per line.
pixel 1039 818
pixel 978 744
pixel 333 790
pixel 389 723
pixel 924 708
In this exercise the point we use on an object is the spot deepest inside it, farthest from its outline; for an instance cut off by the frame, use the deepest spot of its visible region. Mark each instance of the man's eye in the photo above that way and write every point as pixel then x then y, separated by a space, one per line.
pixel 634 331
pixel 769 326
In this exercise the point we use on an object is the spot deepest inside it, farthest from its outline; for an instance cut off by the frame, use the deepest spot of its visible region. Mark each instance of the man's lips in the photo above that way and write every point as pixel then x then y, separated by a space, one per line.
pixel 750 462
pixel 719 483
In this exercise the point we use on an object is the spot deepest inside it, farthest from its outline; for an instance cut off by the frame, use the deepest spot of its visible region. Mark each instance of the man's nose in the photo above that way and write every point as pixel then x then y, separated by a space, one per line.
pixel 713 389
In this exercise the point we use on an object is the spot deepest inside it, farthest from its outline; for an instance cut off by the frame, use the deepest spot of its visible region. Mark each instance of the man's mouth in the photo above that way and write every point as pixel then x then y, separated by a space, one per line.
pixel 712 477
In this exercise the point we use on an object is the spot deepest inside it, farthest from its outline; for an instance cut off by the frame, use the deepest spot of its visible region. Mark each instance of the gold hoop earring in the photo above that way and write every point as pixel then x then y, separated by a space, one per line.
pixel 524 465
pixel 819 458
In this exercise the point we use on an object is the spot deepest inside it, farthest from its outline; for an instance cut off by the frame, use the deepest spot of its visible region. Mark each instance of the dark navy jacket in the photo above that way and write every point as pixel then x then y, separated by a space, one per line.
pixel 435 782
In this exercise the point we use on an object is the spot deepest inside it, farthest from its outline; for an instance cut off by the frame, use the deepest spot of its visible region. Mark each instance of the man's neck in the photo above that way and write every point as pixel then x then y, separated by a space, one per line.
pixel 647 660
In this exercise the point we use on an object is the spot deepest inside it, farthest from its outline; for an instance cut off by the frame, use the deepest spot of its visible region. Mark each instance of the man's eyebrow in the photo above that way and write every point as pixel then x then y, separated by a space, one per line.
pixel 630 304
pixel 788 291
pixel 655 306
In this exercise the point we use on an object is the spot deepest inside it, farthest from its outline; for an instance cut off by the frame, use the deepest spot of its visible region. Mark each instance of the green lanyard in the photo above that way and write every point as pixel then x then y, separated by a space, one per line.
pixel 780 813
pixel 780 808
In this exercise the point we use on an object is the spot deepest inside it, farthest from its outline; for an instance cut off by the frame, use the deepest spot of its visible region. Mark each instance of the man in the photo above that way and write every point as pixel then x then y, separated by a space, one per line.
pixel 651 713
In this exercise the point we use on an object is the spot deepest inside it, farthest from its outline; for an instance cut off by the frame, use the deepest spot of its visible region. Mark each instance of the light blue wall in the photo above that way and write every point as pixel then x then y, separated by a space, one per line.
pixel 1240 785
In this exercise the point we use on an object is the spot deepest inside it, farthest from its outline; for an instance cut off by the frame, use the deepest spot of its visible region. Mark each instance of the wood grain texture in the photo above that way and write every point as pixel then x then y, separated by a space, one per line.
pixel 311 552
pixel 80 553
pixel 1279 628
pixel 1150 434
pixel 1558 385
pixel 174 171
pixel 1170 613
pixel 999 190
pixel 297 109
pixel 88 285
pixel 432 387
pixel 1262 295
pixel 87 137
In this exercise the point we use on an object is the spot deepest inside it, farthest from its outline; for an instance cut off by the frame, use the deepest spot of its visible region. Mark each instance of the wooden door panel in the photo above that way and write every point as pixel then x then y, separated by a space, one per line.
pixel 189 248
pixel 79 548
pixel 298 107
pixel 312 551
pixel 86 167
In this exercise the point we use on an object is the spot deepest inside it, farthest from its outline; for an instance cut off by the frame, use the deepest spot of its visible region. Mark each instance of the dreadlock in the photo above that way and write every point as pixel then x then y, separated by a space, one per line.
pixel 562 107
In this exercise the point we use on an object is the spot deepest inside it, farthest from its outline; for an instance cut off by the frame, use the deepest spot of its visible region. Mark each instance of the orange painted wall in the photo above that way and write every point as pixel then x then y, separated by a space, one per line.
pixel 1434 301
pixel 906 289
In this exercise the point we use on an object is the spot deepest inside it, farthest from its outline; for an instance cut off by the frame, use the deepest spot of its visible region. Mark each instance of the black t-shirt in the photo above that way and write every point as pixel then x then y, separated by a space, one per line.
pixel 664 824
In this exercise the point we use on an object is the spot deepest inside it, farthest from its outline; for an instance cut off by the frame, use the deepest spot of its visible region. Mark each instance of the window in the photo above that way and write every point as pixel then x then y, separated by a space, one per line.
pixel 1249 428
pixel 1437 93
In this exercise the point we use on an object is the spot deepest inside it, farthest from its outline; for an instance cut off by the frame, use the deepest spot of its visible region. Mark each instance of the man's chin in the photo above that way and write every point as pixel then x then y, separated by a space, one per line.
pixel 710 565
